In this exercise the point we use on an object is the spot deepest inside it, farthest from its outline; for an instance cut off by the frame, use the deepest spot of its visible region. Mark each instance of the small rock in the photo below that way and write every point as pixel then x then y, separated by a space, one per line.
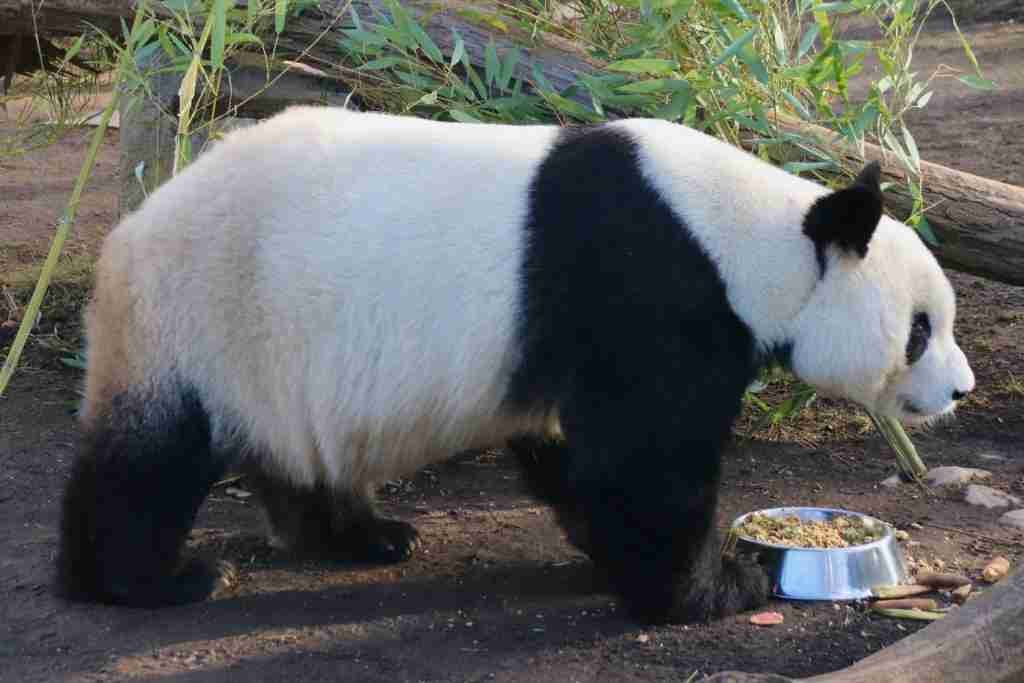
pixel 901 535
pixel 892 482
pixel 1013 518
pixel 643 638
pixel 943 476
pixel 989 497
pixel 992 457
pixel 236 492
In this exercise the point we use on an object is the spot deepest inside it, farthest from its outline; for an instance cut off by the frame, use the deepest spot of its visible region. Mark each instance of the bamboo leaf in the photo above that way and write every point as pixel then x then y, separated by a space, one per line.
pixel 807 41
pixel 367 37
pixel 491 64
pixel 508 68
pixel 219 17
pixel 803 166
pixel 736 8
pixel 459 51
pixel 977 82
pixel 734 48
pixel 280 13
pixel 655 85
pixel 426 43
pixel 676 107
pixel 911 145
pixel 924 228
pixel 463 117
pixel 654 67
pixel 382 63
pixel 75 47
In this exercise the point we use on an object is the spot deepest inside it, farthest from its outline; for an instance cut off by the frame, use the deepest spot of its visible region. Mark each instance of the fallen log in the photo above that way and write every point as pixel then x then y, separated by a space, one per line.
pixel 981 641
pixel 979 222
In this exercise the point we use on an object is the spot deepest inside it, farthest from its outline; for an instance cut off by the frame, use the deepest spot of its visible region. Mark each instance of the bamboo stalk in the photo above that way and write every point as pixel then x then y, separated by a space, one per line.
pixel 64 224
pixel 909 461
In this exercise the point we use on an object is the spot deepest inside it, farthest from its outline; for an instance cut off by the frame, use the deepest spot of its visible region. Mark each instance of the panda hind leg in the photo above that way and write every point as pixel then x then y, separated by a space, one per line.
pixel 330 523
pixel 143 468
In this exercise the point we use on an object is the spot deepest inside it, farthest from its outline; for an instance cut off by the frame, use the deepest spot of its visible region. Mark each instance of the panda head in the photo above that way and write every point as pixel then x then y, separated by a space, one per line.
pixel 878 327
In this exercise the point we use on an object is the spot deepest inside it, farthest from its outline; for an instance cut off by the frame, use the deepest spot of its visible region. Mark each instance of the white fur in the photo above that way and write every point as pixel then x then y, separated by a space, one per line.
pixel 849 330
pixel 852 336
pixel 342 288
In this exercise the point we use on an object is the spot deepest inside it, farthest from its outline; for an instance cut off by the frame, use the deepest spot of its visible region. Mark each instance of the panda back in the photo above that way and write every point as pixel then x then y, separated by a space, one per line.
pixel 340 288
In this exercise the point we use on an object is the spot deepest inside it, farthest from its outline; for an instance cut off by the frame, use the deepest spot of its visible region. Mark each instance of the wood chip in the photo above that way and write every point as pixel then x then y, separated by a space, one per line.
pixel 918 614
pixel 996 569
pixel 961 594
pixel 766 619
pixel 907 603
pixel 891 592
pixel 936 580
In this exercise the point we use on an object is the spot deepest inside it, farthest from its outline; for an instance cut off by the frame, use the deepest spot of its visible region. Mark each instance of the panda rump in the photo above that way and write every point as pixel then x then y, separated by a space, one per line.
pixel 328 300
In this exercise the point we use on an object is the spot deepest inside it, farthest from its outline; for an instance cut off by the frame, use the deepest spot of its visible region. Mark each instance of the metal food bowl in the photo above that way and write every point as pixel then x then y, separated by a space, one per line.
pixel 826 573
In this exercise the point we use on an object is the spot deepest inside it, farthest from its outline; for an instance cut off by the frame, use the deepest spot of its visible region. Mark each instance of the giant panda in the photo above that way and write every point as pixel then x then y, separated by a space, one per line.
pixel 331 299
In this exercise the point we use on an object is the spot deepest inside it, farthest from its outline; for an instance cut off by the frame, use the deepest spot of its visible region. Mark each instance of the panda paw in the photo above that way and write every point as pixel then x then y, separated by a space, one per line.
pixel 743 585
pixel 379 541
pixel 739 585
pixel 196 581
pixel 200 580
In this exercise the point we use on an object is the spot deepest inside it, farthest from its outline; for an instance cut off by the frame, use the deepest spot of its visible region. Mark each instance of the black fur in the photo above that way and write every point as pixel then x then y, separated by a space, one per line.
pixel 627 329
pixel 144 468
pixel 847 218
pixel 331 524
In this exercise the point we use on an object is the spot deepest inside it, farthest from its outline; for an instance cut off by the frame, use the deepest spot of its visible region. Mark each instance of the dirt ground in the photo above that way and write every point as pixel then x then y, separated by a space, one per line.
pixel 495 593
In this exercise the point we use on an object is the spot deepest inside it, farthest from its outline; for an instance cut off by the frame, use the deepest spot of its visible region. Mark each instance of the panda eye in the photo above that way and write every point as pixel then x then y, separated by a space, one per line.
pixel 920 332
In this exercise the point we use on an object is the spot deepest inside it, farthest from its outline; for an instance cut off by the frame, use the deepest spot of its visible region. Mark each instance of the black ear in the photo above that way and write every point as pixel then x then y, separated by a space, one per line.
pixel 847 218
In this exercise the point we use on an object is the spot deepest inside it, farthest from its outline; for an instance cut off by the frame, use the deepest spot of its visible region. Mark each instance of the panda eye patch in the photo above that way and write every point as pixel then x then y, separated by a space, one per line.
pixel 920 333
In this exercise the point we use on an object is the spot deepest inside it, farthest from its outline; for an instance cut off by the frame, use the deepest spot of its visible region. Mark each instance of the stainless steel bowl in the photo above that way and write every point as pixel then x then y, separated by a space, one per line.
pixel 827 573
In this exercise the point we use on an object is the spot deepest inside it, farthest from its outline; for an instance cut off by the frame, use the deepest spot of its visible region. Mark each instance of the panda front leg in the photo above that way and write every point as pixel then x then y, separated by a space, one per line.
pixel 331 522
pixel 646 493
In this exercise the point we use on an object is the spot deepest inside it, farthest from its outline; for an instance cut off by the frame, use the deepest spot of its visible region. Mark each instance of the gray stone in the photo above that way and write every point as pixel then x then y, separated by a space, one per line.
pixel 1013 518
pixel 943 476
pixel 892 482
pixel 989 497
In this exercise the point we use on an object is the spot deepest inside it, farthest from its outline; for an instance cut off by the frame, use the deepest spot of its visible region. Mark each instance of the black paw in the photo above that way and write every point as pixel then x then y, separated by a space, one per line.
pixel 744 585
pixel 740 585
pixel 197 581
pixel 379 541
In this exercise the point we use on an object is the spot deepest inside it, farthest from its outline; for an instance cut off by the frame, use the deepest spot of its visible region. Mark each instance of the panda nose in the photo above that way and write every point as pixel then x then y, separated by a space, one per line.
pixel 957 394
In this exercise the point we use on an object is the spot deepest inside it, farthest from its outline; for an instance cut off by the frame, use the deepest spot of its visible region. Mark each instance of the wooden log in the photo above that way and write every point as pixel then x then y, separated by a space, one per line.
pixel 981 641
pixel 314 33
pixel 979 222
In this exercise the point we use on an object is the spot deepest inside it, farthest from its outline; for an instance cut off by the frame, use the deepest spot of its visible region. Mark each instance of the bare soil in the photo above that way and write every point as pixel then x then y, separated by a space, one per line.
pixel 496 593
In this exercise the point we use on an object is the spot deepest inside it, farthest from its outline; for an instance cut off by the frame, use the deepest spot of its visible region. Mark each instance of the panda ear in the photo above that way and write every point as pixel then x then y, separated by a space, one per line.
pixel 847 218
